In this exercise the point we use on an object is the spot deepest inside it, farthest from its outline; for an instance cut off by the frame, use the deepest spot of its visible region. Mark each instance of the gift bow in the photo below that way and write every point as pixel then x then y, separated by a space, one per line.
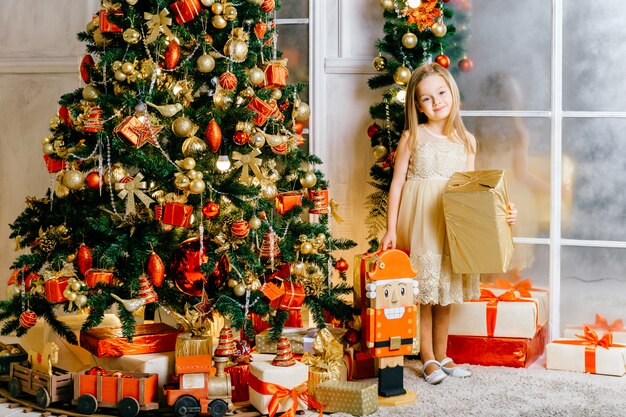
pixel 603 324
pixel 334 206
pixel 156 23
pixel 328 354
pixel 279 393
pixel 492 307
pixel 66 271
pixel 524 287
pixel 245 161
pixel 591 341
pixel 109 7
pixel 132 189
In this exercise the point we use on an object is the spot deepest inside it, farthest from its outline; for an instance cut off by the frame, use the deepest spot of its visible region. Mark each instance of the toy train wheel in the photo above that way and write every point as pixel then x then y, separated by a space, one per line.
pixel 218 408
pixel 43 398
pixel 186 406
pixel 128 407
pixel 86 404
pixel 15 387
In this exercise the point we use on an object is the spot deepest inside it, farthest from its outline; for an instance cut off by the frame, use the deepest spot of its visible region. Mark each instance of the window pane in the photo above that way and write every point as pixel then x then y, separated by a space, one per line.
pixel 594 56
pixel 514 39
pixel 596 152
pixel 293 9
pixel 528 261
pixel 291 39
pixel 521 147
pixel 592 281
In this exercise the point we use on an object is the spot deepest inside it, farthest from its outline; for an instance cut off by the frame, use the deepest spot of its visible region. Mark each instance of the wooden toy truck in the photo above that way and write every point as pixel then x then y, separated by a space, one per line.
pixel 47 388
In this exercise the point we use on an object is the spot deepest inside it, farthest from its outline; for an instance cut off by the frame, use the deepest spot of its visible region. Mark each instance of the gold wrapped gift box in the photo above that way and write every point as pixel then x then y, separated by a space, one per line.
pixel 356 398
pixel 475 208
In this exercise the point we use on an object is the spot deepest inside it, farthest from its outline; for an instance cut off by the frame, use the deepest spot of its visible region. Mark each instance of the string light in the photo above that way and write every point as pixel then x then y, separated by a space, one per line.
pixel 222 163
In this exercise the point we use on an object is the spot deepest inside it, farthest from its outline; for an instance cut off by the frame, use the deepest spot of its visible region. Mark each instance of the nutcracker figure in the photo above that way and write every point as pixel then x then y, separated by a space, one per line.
pixel 390 317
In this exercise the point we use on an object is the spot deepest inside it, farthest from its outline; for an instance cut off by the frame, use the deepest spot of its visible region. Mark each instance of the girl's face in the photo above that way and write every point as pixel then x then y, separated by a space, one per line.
pixel 434 98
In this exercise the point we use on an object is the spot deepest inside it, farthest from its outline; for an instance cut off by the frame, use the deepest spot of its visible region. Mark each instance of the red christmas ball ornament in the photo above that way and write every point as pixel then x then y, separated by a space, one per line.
pixel 443 60
pixel 466 65
pixel 260 28
pixel 28 319
pixel 86 65
pixel 172 54
pixel 213 135
pixel 93 180
pixel 298 127
pixel 342 265
pixel 64 114
pixel 228 81
pixel 96 370
pixel 240 228
pixel 352 337
pixel 185 267
pixel 211 210
pixel 219 274
pixel 240 137
pixel 372 130
pixel 156 269
pixel 268 6
pixel 84 260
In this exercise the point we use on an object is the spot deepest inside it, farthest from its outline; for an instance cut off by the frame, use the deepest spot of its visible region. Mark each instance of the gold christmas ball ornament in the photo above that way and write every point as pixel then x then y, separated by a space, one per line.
pixel 197 186
pixel 308 180
pixel 257 140
pixel 409 40
pixel 387 4
pixel 81 301
pixel 99 38
pixel 183 127
pixel 48 148
pixel 298 268
pixel 188 163
pixel 301 111
pixel 131 36
pixel 90 93
pixel 55 121
pixel 379 63
pixel 269 191
pixel 218 20
pixel 255 284
pixel 232 282
pixel 380 152
pixel 205 63
pixel 119 75
pixel 306 248
pixel 276 94
pixel 239 290
pixel 127 68
pixel 402 75
pixel 237 50
pixel 439 29
pixel 217 8
pixel 230 13
pixel 73 179
pixel 247 92
pixel 255 223
pixel 207 3
pixel 61 191
pixel 182 182
pixel 274 140
pixel 116 174
pixel 194 146
pixel 256 75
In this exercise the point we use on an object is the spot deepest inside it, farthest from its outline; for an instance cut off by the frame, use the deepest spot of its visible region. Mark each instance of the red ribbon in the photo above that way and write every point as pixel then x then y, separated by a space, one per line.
pixel 524 287
pixel 492 307
pixel 591 341
pixel 603 324
pixel 279 393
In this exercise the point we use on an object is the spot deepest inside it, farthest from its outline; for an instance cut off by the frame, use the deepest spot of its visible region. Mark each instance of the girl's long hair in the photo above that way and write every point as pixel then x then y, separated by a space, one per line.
pixel 454 126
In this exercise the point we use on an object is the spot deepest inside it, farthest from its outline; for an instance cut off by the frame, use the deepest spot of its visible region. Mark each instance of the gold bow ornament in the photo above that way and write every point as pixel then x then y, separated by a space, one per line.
pixel 129 188
pixel 246 162
pixel 157 23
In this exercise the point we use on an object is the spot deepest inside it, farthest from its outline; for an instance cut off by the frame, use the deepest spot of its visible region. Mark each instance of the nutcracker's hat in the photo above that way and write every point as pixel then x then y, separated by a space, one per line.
pixel 390 264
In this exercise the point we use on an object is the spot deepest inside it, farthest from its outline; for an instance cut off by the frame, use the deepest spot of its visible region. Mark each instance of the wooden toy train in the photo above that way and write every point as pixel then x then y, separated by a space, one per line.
pixel 200 388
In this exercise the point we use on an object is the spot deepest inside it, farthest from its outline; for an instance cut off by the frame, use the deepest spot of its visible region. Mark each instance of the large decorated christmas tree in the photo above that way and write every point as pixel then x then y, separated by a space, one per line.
pixel 414 32
pixel 179 178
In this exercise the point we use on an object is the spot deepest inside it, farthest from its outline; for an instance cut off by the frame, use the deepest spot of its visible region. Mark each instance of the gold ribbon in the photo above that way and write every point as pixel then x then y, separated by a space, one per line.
pixel 66 271
pixel 333 211
pixel 132 189
pixel 245 161
pixel 157 23
pixel 109 7
pixel 328 356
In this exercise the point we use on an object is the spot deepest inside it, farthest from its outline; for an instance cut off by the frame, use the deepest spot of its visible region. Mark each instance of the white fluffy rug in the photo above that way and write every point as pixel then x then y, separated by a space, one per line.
pixel 512 392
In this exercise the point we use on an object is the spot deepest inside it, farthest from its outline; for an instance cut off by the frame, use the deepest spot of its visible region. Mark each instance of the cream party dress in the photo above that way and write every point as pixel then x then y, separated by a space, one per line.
pixel 421 227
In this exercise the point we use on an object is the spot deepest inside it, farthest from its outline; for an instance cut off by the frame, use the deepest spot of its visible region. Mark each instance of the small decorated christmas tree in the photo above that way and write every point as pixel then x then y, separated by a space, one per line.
pixel 284 354
pixel 226 344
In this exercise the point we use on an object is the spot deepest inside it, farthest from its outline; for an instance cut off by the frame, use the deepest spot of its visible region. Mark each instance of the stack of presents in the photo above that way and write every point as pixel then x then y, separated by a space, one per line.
pixel 333 369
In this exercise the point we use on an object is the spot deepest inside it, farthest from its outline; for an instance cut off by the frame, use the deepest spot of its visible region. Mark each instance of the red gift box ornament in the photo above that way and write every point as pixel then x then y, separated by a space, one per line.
pixel 273 293
pixel 177 214
pixel 293 297
pixel 186 10
pixel 264 110
pixel 287 201
pixel 107 9
pixel 276 74
pixel 54 288
pixel 94 277
pixel 53 164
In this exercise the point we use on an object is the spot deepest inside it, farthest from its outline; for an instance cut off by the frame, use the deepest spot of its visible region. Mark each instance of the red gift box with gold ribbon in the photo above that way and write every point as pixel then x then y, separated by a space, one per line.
pixel 54 289
pixel 105 24
pixel 293 296
pixel 504 315
pixel 185 10
pixel 53 164
pixel 110 342
pixel 94 277
pixel 287 201
pixel 274 293
pixel 497 351
pixel 276 74
pixel 588 353
pixel 177 214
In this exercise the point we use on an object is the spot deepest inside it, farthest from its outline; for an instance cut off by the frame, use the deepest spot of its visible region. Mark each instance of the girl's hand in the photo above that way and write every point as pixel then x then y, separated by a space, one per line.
pixel 511 213
pixel 388 241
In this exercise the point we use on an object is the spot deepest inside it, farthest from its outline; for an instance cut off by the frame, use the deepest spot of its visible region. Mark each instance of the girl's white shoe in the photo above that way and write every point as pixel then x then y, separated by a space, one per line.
pixel 434 377
pixel 456 371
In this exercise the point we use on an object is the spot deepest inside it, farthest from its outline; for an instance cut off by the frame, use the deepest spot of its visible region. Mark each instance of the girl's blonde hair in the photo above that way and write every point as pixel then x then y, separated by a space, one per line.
pixel 413 117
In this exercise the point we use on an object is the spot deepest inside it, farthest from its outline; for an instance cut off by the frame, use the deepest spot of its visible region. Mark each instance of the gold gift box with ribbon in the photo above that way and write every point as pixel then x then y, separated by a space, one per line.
pixel 475 209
